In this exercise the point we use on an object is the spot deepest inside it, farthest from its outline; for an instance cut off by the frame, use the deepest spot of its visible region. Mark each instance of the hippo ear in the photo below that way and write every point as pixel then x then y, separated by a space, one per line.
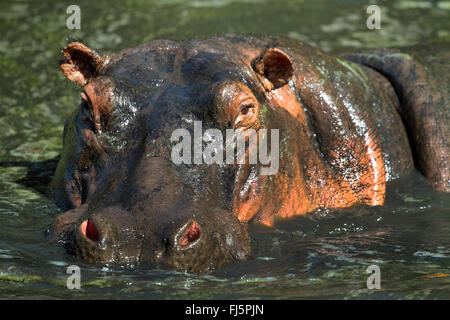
pixel 274 68
pixel 81 63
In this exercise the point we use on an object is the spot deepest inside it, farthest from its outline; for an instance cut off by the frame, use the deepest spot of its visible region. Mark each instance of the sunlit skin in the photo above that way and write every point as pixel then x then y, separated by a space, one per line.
pixel 341 140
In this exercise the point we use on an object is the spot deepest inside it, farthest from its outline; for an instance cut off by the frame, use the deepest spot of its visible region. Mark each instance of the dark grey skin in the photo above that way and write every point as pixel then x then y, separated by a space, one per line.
pixel 348 126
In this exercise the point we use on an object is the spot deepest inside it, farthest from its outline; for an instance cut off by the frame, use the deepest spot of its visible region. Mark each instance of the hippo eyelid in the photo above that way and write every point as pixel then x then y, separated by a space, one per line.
pixel 247 102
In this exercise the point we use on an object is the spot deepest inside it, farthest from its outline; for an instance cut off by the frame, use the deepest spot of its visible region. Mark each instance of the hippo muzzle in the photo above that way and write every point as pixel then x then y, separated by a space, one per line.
pixel 195 244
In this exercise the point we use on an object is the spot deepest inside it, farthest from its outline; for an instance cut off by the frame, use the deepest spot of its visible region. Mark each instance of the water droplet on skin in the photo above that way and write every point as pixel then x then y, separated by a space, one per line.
pixel 229 240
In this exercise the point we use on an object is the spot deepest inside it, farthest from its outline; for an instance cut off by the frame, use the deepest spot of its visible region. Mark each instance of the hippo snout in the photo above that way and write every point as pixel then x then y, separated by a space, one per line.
pixel 187 236
pixel 196 242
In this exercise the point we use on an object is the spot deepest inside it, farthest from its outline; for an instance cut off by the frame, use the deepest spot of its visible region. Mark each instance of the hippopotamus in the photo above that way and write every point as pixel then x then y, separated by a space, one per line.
pixel 346 126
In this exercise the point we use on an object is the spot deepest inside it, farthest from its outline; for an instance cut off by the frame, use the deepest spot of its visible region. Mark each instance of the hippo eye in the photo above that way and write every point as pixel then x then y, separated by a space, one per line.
pixel 246 114
pixel 85 104
pixel 189 235
pixel 90 115
pixel 86 107
pixel 247 108
pixel 85 98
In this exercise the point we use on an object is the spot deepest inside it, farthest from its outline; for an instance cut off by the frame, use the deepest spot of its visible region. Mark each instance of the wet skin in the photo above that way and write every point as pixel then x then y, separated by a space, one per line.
pixel 347 126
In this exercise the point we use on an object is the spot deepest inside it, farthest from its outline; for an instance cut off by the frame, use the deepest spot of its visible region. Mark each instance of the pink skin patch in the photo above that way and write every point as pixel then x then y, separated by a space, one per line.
pixel 191 234
pixel 89 230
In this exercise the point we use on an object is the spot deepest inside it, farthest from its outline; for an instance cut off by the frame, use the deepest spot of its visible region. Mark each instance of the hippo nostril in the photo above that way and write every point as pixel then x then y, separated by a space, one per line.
pixel 89 230
pixel 190 235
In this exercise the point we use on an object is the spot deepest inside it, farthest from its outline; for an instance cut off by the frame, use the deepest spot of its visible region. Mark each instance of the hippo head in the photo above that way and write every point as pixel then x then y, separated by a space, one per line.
pixel 133 191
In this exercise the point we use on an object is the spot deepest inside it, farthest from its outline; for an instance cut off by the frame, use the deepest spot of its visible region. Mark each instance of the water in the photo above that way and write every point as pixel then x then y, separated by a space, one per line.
pixel 312 257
